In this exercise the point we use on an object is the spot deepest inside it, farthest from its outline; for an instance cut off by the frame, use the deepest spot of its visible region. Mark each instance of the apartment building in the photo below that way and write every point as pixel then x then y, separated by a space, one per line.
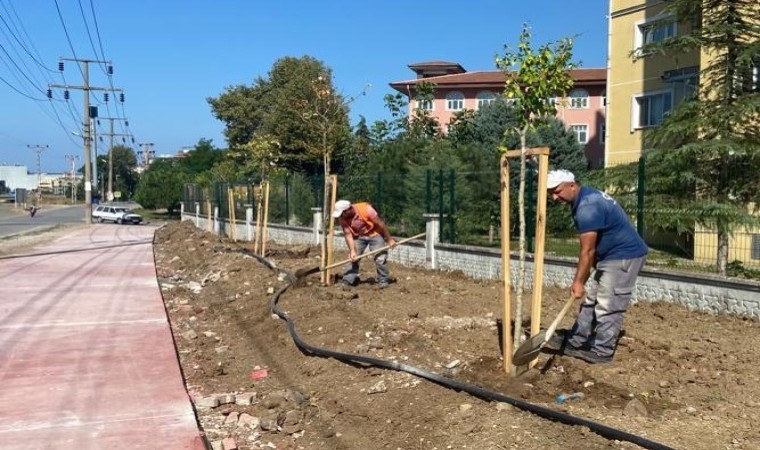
pixel 457 90
pixel 642 88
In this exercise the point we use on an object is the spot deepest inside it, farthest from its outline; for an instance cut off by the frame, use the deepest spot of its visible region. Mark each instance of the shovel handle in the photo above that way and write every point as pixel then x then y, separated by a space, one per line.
pixel 553 326
pixel 364 255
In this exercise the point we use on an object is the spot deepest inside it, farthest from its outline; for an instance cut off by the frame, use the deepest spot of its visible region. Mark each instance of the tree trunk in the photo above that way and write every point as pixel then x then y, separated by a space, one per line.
pixel 723 236
pixel 520 286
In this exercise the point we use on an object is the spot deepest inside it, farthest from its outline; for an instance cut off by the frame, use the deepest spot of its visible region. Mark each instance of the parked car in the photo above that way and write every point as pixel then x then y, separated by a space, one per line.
pixel 115 214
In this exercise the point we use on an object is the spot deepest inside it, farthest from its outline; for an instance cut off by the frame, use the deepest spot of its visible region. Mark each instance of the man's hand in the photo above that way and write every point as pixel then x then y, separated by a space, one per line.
pixel 352 254
pixel 578 290
pixel 391 242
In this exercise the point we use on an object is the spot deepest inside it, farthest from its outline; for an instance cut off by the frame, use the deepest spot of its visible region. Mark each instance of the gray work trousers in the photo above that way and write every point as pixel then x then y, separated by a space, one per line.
pixel 351 276
pixel 608 297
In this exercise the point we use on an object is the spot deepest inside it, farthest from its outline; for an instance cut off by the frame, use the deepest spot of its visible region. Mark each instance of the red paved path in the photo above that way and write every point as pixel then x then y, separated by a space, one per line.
pixel 86 354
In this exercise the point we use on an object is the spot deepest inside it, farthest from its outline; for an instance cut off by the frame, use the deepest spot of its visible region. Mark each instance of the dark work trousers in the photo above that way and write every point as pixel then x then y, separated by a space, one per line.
pixel 351 276
pixel 601 314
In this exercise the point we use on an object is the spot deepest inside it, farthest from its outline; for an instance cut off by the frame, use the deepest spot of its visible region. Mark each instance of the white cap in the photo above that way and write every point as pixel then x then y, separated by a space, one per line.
pixel 556 177
pixel 340 206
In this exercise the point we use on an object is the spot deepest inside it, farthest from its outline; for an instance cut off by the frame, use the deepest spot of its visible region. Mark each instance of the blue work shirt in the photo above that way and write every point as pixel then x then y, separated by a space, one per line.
pixel 617 239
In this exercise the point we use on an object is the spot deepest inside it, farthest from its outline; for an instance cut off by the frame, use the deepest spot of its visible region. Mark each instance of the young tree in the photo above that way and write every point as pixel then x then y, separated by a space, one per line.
pixel 533 77
pixel 706 154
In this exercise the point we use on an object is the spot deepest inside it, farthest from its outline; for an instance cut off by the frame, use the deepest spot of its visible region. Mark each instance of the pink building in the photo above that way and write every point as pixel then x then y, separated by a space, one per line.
pixel 456 90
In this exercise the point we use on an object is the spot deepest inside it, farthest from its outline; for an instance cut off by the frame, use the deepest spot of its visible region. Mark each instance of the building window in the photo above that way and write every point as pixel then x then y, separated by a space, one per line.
pixel 579 99
pixel 425 105
pixel 581 132
pixel 454 101
pixel 651 109
pixel 484 98
pixel 603 99
pixel 684 82
pixel 602 132
pixel 653 30
pixel 755 252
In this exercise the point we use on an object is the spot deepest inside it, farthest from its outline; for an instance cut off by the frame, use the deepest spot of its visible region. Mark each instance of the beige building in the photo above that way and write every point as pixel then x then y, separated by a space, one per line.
pixel 643 88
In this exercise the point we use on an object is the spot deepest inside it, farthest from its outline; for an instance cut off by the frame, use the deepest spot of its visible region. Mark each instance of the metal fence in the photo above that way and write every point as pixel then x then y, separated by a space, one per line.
pixel 469 208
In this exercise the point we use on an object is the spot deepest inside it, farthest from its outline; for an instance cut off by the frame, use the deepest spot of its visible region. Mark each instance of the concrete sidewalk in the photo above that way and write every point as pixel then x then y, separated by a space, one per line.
pixel 87 359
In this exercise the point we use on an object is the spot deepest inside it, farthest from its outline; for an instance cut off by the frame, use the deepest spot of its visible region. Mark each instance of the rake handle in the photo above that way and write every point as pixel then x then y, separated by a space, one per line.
pixel 364 255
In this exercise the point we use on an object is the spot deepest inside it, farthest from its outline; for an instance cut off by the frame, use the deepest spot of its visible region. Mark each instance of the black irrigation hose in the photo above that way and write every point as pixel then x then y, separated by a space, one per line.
pixel 568 419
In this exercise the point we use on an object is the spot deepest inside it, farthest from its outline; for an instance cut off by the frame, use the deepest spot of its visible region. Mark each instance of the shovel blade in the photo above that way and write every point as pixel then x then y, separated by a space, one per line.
pixel 304 271
pixel 529 350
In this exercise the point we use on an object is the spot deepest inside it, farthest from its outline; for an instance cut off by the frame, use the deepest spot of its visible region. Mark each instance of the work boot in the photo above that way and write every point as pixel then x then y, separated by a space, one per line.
pixel 557 341
pixel 587 355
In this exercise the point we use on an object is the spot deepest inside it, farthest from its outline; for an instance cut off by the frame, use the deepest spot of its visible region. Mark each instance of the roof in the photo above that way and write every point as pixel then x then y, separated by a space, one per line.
pixel 495 78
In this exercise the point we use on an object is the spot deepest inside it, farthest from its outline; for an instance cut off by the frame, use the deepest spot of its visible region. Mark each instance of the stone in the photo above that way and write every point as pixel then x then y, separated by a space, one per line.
pixel 231 418
pixel 229 444
pixel 635 408
pixel 207 402
pixel 245 398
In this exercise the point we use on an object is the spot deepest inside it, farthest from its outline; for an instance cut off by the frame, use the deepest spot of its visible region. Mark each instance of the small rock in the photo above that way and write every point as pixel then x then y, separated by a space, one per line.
pixel 378 388
pixel 453 364
pixel 270 290
pixel 190 335
pixel 249 421
pixel 231 418
pixel 207 402
pixel 690 410
pixel 229 444
pixel 244 399
pixel 465 407
pixel 635 408
pixel 664 383
pixel 501 406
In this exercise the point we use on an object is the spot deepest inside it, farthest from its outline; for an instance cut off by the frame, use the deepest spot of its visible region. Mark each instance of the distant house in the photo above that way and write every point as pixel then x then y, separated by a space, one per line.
pixel 583 111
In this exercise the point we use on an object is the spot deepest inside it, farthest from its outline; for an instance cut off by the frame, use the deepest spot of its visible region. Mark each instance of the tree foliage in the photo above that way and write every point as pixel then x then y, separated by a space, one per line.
pixel 276 106
pixel 704 159
pixel 161 185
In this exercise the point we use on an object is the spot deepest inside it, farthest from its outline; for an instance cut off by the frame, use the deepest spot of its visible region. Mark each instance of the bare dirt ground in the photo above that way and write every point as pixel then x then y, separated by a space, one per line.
pixel 685 379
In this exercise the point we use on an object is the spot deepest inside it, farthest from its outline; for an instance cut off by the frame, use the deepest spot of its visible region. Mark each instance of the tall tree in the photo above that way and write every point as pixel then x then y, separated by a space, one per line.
pixel 533 77
pixel 202 157
pixel 275 106
pixel 706 154
pixel 161 186
pixel 124 175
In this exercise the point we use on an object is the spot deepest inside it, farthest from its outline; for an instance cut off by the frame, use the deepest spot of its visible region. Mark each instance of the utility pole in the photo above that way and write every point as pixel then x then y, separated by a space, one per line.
pixel 37 150
pixel 72 159
pixel 109 194
pixel 147 153
pixel 86 88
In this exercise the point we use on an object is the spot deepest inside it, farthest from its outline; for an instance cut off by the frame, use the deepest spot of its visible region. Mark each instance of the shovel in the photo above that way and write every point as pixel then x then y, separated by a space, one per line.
pixel 303 271
pixel 529 349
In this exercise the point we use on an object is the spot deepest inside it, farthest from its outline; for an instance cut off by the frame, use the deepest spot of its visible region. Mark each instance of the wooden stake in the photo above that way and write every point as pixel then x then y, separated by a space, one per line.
pixel 231 213
pixel 331 236
pixel 258 221
pixel 506 317
pixel 209 216
pixel 540 241
pixel 265 226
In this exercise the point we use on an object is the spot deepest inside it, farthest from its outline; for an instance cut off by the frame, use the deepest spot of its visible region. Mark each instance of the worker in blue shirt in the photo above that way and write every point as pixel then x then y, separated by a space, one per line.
pixel 614 251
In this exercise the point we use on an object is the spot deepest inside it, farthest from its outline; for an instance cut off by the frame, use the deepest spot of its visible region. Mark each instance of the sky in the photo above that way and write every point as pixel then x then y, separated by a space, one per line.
pixel 169 56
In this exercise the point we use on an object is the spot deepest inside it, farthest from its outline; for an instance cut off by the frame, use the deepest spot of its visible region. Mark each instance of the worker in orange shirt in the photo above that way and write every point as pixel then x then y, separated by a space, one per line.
pixel 362 228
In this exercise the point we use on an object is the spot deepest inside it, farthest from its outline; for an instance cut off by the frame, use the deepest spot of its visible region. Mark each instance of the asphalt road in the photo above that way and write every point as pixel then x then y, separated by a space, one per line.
pixel 15 220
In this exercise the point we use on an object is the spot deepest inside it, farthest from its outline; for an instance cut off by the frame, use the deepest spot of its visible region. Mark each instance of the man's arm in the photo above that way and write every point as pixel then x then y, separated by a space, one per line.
pixel 349 237
pixel 383 230
pixel 586 259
